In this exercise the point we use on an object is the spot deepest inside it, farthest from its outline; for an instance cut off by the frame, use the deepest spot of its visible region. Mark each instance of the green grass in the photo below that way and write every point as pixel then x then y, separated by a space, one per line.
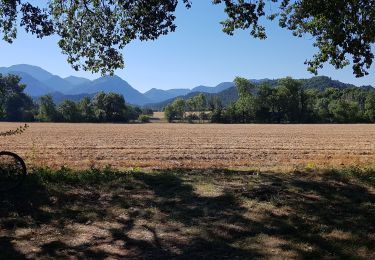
pixel 212 214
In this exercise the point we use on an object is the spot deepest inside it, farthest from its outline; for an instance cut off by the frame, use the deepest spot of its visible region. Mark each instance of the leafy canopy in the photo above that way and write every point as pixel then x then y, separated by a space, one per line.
pixel 92 32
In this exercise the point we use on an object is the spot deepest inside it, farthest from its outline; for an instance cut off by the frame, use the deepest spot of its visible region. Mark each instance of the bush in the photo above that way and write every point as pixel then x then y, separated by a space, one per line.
pixel 192 117
pixel 144 119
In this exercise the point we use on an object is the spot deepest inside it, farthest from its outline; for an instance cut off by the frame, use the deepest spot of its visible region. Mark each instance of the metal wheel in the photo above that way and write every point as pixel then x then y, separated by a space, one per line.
pixel 12 171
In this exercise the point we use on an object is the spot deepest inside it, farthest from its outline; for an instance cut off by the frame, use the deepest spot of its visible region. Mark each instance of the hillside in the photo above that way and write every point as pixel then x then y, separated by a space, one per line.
pixel 159 95
pixel 221 87
pixel 230 94
pixel 112 84
pixel 75 81
pixel 41 82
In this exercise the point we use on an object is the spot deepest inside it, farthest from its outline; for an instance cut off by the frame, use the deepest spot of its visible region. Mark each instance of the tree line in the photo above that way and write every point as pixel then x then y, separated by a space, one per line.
pixel 288 102
pixel 15 105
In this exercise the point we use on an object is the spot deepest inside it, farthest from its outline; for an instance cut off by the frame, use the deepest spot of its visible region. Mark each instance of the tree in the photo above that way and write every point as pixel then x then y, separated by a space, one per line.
pixel 18 107
pixel 216 107
pixel 69 111
pixel 245 103
pixel 114 106
pixel 295 101
pixel 98 106
pixel 47 109
pixel 370 106
pixel 345 111
pixel 169 113
pixel 200 105
pixel 179 105
pixel 110 107
pixel 93 32
pixel 176 110
pixel 322 110
pixel 86 110
pixel 280 103
pixel 14 104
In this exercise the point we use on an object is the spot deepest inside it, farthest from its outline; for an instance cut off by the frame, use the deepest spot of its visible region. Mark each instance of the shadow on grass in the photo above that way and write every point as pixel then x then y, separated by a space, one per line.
pixel 212 214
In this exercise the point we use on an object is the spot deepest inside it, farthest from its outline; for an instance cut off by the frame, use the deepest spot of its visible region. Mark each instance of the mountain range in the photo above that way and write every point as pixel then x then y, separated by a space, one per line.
pixel 40 82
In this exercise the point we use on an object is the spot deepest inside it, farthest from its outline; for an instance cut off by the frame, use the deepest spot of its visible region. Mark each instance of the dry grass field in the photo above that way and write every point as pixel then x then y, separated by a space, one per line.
pixel 162 146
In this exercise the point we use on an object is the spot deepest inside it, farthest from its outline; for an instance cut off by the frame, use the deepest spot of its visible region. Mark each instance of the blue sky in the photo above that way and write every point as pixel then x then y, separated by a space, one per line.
pixel 198 53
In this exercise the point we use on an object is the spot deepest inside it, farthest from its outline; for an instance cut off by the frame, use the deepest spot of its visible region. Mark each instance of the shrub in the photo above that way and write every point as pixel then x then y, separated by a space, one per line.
pixel 144 119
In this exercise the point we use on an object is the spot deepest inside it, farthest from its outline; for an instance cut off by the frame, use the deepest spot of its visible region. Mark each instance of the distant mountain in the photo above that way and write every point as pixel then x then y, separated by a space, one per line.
pixel 159 95
pixel 38 80
pixel 34 71
pixel 33 86
pixel 75 81
pixel 57 84
pixel 217 89
pixel 178 91
pixel 112 84
pixel 41 82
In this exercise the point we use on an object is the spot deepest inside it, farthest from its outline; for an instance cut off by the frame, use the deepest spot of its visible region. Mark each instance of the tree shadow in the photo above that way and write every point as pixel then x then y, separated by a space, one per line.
pixel 164 215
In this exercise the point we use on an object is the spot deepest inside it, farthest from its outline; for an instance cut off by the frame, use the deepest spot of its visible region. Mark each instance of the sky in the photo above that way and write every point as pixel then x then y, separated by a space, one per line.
pixel 198 53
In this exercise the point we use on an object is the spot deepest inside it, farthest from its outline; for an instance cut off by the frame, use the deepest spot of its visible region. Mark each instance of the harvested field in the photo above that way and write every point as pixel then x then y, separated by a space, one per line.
pixel 269 147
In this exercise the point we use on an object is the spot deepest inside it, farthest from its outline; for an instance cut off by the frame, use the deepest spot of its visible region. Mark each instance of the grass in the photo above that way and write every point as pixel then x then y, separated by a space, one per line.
pixel 210 214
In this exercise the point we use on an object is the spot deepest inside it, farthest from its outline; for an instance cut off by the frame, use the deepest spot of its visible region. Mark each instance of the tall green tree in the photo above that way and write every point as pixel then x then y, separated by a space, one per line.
pixel 345 111
pixel 201 105
pixel 109 107
pixel 370 106
pixel 99 107
pixel 86 110
pixel 115 108
pixel 176 110
pixel 47 109
pixel 245 102
pixel 15 105
pixel 294 102
pixel 263 104
pixel 69 111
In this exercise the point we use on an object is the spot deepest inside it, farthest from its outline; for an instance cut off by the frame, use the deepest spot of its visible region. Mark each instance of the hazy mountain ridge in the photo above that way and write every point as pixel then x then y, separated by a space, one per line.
pixel 40 82
pixel 75 81
pixel 158 95
pixel 221 87
pixel 112 84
